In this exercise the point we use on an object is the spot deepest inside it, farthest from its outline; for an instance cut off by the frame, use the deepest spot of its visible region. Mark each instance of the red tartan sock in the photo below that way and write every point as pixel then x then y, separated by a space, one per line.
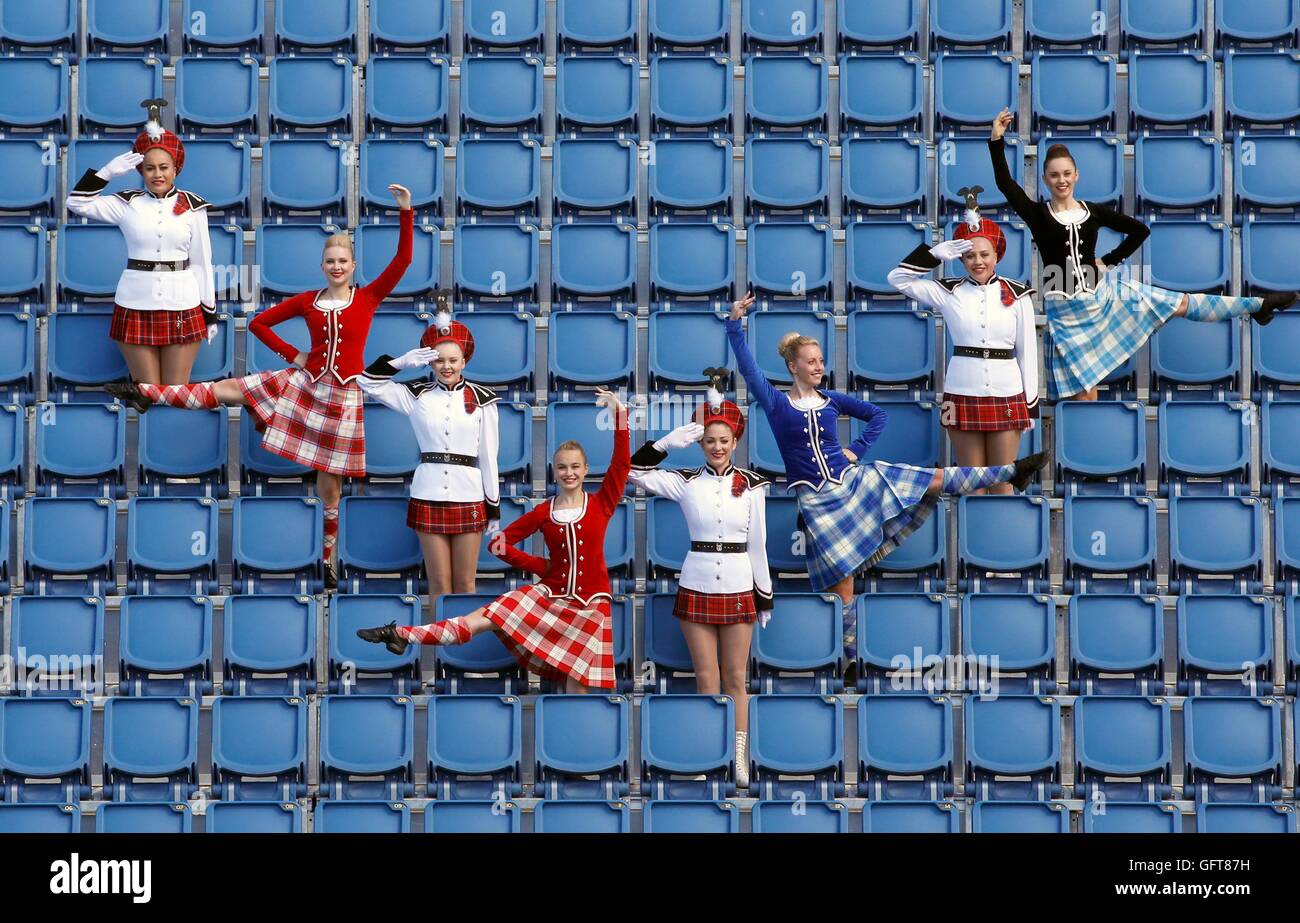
pixel 331 531
pixel 452 631
pixel 198 396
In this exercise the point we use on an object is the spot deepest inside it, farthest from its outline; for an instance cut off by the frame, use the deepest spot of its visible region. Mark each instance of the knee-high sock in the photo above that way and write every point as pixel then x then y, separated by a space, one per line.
pixel 452 631
pixel 198 396
pixel 331 531
pixel 1210 308
pixel 964 480
pixel 851 631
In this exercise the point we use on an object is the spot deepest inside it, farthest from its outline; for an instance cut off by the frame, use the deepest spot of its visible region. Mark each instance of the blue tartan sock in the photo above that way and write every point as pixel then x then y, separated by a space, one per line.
pixel 964 480
pixel 851 631
pixel 1211 308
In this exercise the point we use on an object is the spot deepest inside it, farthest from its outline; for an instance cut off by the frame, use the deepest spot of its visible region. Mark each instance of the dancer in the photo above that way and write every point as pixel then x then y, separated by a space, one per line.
pixel 165 298
pixel 990 390
pixel 854 515
pixel 558 628
pixel 311 412
pixel 1098 321
pixel 724 584
pixel 455 494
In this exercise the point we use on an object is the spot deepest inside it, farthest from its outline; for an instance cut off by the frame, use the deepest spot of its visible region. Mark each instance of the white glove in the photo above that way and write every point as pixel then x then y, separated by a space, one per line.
pixel 764 617
pixel 685 435
pixel 212 332
pixel 413 359
pixel 950 249
pixel 120 165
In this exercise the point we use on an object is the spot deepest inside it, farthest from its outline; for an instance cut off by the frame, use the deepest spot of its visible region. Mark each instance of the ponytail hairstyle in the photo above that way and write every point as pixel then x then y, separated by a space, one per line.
pixel 1059 150
pixel 791 343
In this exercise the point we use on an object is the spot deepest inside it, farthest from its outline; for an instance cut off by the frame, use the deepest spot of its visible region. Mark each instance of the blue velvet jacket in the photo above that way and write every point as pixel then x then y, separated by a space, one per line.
pixel 809 443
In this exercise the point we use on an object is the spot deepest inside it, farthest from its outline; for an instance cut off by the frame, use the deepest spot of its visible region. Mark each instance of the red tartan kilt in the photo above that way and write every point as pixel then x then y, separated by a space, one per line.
pixel 715 608
pixel 319 424
pixel 157 328
pixel 436 518
pixel 984 414
pixel 556 636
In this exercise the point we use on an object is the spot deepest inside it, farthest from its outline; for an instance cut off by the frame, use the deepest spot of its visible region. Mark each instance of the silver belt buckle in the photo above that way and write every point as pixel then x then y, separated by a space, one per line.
pixel 986 354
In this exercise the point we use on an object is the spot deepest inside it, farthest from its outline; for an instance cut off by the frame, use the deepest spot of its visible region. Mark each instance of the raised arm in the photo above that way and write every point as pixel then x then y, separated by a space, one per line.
pixel 760 388
pixel 620 463
pixel 1134 231
pixel 85 199
pixel 645 463
pixel 377 381
pixel 1006 183
pixel 910 276
pixel 505 545
pixel 383 286
pixel 260 326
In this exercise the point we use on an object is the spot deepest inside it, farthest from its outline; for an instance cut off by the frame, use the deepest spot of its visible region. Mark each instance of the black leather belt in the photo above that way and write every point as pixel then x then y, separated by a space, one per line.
pixel 980 352
pixel 721 547
pixel 448 458
pixel 159 266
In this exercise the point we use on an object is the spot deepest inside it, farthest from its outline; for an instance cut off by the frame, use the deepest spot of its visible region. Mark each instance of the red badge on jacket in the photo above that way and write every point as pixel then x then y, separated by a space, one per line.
pixel 737 484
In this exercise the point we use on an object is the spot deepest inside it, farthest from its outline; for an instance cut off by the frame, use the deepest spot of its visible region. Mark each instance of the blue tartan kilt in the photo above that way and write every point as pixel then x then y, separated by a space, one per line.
pixel 860 520
pixel 1094 333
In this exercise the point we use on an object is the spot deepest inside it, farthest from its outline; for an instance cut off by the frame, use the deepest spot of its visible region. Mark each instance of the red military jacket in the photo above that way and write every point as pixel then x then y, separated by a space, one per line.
pixel 338 335
pixel 576 567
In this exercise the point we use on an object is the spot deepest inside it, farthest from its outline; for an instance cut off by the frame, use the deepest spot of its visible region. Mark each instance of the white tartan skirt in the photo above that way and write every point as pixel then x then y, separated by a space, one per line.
pixel 860 520
pixel 556 636
pixel 314 423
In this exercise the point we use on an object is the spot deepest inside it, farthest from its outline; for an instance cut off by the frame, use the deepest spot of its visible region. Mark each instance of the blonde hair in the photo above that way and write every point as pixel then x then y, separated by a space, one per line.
pixel 571 445
pixel 339 240
pixel 792 342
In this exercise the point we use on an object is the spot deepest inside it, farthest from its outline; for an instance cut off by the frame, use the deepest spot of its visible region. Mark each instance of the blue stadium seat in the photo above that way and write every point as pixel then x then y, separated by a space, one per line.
pixel 1246 23
pixel 597 93
pixel 595 177
pixel 684 817
pixel 1287 542
pixel 881 93
pixel 253 817
pixel 1191 360
pixel 1001 535
pixel 363 737
pixel 417 162
pixel 582 746
pixel 137 26
pixel 1205 447
pixel 918 564
pixel 813 817
pixel 692 260
pixel 165 646
pixel 1013 736
pixel 5 525
pixel 315 27
pixel 66 537
pixel 259 748
pixel 802 648
pixel 964 162
pixel 376 552
pixel 787 176
pixel 406 94
pixel 970 89
pixel 501 92
pixel 264 473
pixel 686 746
pixel 912 436
pixel 690 93
pixel 32 28
pixel 13 453
pixel 510 364
pixel 45 749
pixel 1108 538
pixel 403 26
pixel 91 257
pixel 1260 90
pixel 1180 24
pixel 585 25
pixel 893 629
pixel 377 243
pixel 392 454
pixel 289 256
pixel 1215 536
pixel 471 817
pixel 496 261
pixel 767 327
pixel 222 26
pixel 474 746
pixel 794 259
pixel 883 175
pixel 1123 747
pixel 1101 447
pixel 1020 817
pixel 269 645
pixel 580 420
pixel 1225 645
pixel 80 355
pixel 1268 256
pixel 81 450
pixel 1115 636
pixel 171 545
pixel 40 818
pixel 28 180
pixel 18 358
pixel 58 645
pixel 222 172
pixel 891 353
pixel 183 453
pixel 1280 448
pixel 217 94
pixel 393 333
pixel 230 274
pixel 1068 24
pixel 38 100
pixel 1178 173
pixel 109 91
pixel 1229 741
pixel 1009 642
pixel 665 645
pixel 590 349
pixel 159 817
pixel 1274 190
pixel 1170 91
pixel 304 180
pixel 593 261
pixel 796 736
pixel 23 276
pixel 872 249
pixel 1276 369
pixel 1113 817
pixel 151 748
pixel 911 817
pixel 311 94
pixel 483 665
pixel 893 24
pixel 1246 818
pixel 1073 92
pixel 781 25
pixel 970 23
pixel 262 559
pixel 667 540
pixel 786 93
pixel 388 816
pixel 581 816
pixel 501 25
pixel 689 23
pixel 905 746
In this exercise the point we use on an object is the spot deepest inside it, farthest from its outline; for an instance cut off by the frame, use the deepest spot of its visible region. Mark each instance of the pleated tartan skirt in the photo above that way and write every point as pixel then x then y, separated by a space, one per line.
pixel 441 518
pixel 314 423
pixel 157 328
pixel 556 636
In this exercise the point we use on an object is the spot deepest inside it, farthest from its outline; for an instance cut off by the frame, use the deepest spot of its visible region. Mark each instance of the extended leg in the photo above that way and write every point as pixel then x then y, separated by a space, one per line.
pixel 1000 449
pixel 1210 308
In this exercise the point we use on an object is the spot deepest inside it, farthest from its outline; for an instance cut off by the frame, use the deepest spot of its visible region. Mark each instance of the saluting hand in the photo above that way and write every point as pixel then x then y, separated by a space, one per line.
pixel 1001 123
pixel 401 194
pixel 738 308
pixel 414 358
pixel 120 165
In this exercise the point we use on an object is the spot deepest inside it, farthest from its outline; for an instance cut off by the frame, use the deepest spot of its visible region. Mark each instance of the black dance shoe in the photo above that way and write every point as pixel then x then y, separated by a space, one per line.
pixel 1273 301
pixel 1027 467
pixel 127 393
pixel 386 635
